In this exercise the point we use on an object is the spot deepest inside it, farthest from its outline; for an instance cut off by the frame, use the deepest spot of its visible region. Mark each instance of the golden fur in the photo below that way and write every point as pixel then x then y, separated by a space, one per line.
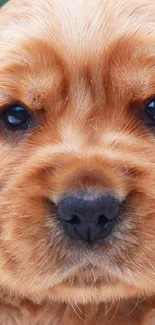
pixel 84 69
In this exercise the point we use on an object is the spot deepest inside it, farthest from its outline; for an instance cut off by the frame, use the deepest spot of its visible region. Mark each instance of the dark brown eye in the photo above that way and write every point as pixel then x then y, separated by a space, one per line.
pixel 149 112
pixel 17 117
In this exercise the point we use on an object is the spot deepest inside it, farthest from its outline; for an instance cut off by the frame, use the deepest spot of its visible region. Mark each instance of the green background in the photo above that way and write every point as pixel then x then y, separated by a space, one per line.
pixel 2 2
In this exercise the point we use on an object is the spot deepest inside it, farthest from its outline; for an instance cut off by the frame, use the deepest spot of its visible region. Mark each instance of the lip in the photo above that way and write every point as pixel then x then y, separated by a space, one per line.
pixel 89 275
pixel 87 282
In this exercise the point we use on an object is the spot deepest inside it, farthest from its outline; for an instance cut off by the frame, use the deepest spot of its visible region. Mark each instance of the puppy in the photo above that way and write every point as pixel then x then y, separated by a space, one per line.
pixel 77 148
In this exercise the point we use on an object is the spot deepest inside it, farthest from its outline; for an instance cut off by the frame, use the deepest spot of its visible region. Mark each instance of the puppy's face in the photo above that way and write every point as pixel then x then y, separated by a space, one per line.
pixel 77 139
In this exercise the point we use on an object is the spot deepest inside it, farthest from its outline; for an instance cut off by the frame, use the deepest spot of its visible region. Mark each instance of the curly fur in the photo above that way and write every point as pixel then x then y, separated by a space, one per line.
pixel 84 69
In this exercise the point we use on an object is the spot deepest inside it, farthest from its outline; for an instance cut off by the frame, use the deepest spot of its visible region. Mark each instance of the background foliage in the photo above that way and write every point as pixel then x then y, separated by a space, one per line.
pixel 2 2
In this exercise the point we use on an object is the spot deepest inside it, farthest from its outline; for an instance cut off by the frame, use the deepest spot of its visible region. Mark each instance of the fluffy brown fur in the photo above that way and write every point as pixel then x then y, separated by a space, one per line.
pixel 84 69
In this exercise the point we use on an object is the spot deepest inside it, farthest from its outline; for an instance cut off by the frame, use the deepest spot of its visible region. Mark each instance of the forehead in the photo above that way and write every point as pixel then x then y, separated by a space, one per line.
pixel 58 42
pixel 77 25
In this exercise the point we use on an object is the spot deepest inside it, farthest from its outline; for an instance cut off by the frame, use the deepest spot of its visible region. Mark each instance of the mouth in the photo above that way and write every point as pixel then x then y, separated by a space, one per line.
pixel 90 276
pixel 91 285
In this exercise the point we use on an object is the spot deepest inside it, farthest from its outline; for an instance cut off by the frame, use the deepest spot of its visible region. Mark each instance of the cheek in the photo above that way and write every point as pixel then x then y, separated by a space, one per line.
pixel 25 233
pixel 31 239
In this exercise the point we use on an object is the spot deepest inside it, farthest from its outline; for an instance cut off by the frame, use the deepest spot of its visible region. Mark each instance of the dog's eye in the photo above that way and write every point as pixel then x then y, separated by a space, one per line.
pixel 149 112
pixel 16 117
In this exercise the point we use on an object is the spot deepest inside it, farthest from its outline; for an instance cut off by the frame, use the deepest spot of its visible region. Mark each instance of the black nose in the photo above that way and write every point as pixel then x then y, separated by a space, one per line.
pixel 88 218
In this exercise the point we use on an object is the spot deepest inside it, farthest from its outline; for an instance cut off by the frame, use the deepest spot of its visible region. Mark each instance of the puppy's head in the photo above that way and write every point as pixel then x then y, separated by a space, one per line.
pixel 77 139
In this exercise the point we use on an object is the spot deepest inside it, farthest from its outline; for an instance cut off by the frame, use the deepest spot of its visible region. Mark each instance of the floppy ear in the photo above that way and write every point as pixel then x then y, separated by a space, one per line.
pixel 149 318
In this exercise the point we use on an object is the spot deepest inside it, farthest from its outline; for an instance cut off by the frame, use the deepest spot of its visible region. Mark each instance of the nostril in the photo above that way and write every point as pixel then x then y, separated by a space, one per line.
pixel 75 220
pixel 88 218
pixel 102 220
